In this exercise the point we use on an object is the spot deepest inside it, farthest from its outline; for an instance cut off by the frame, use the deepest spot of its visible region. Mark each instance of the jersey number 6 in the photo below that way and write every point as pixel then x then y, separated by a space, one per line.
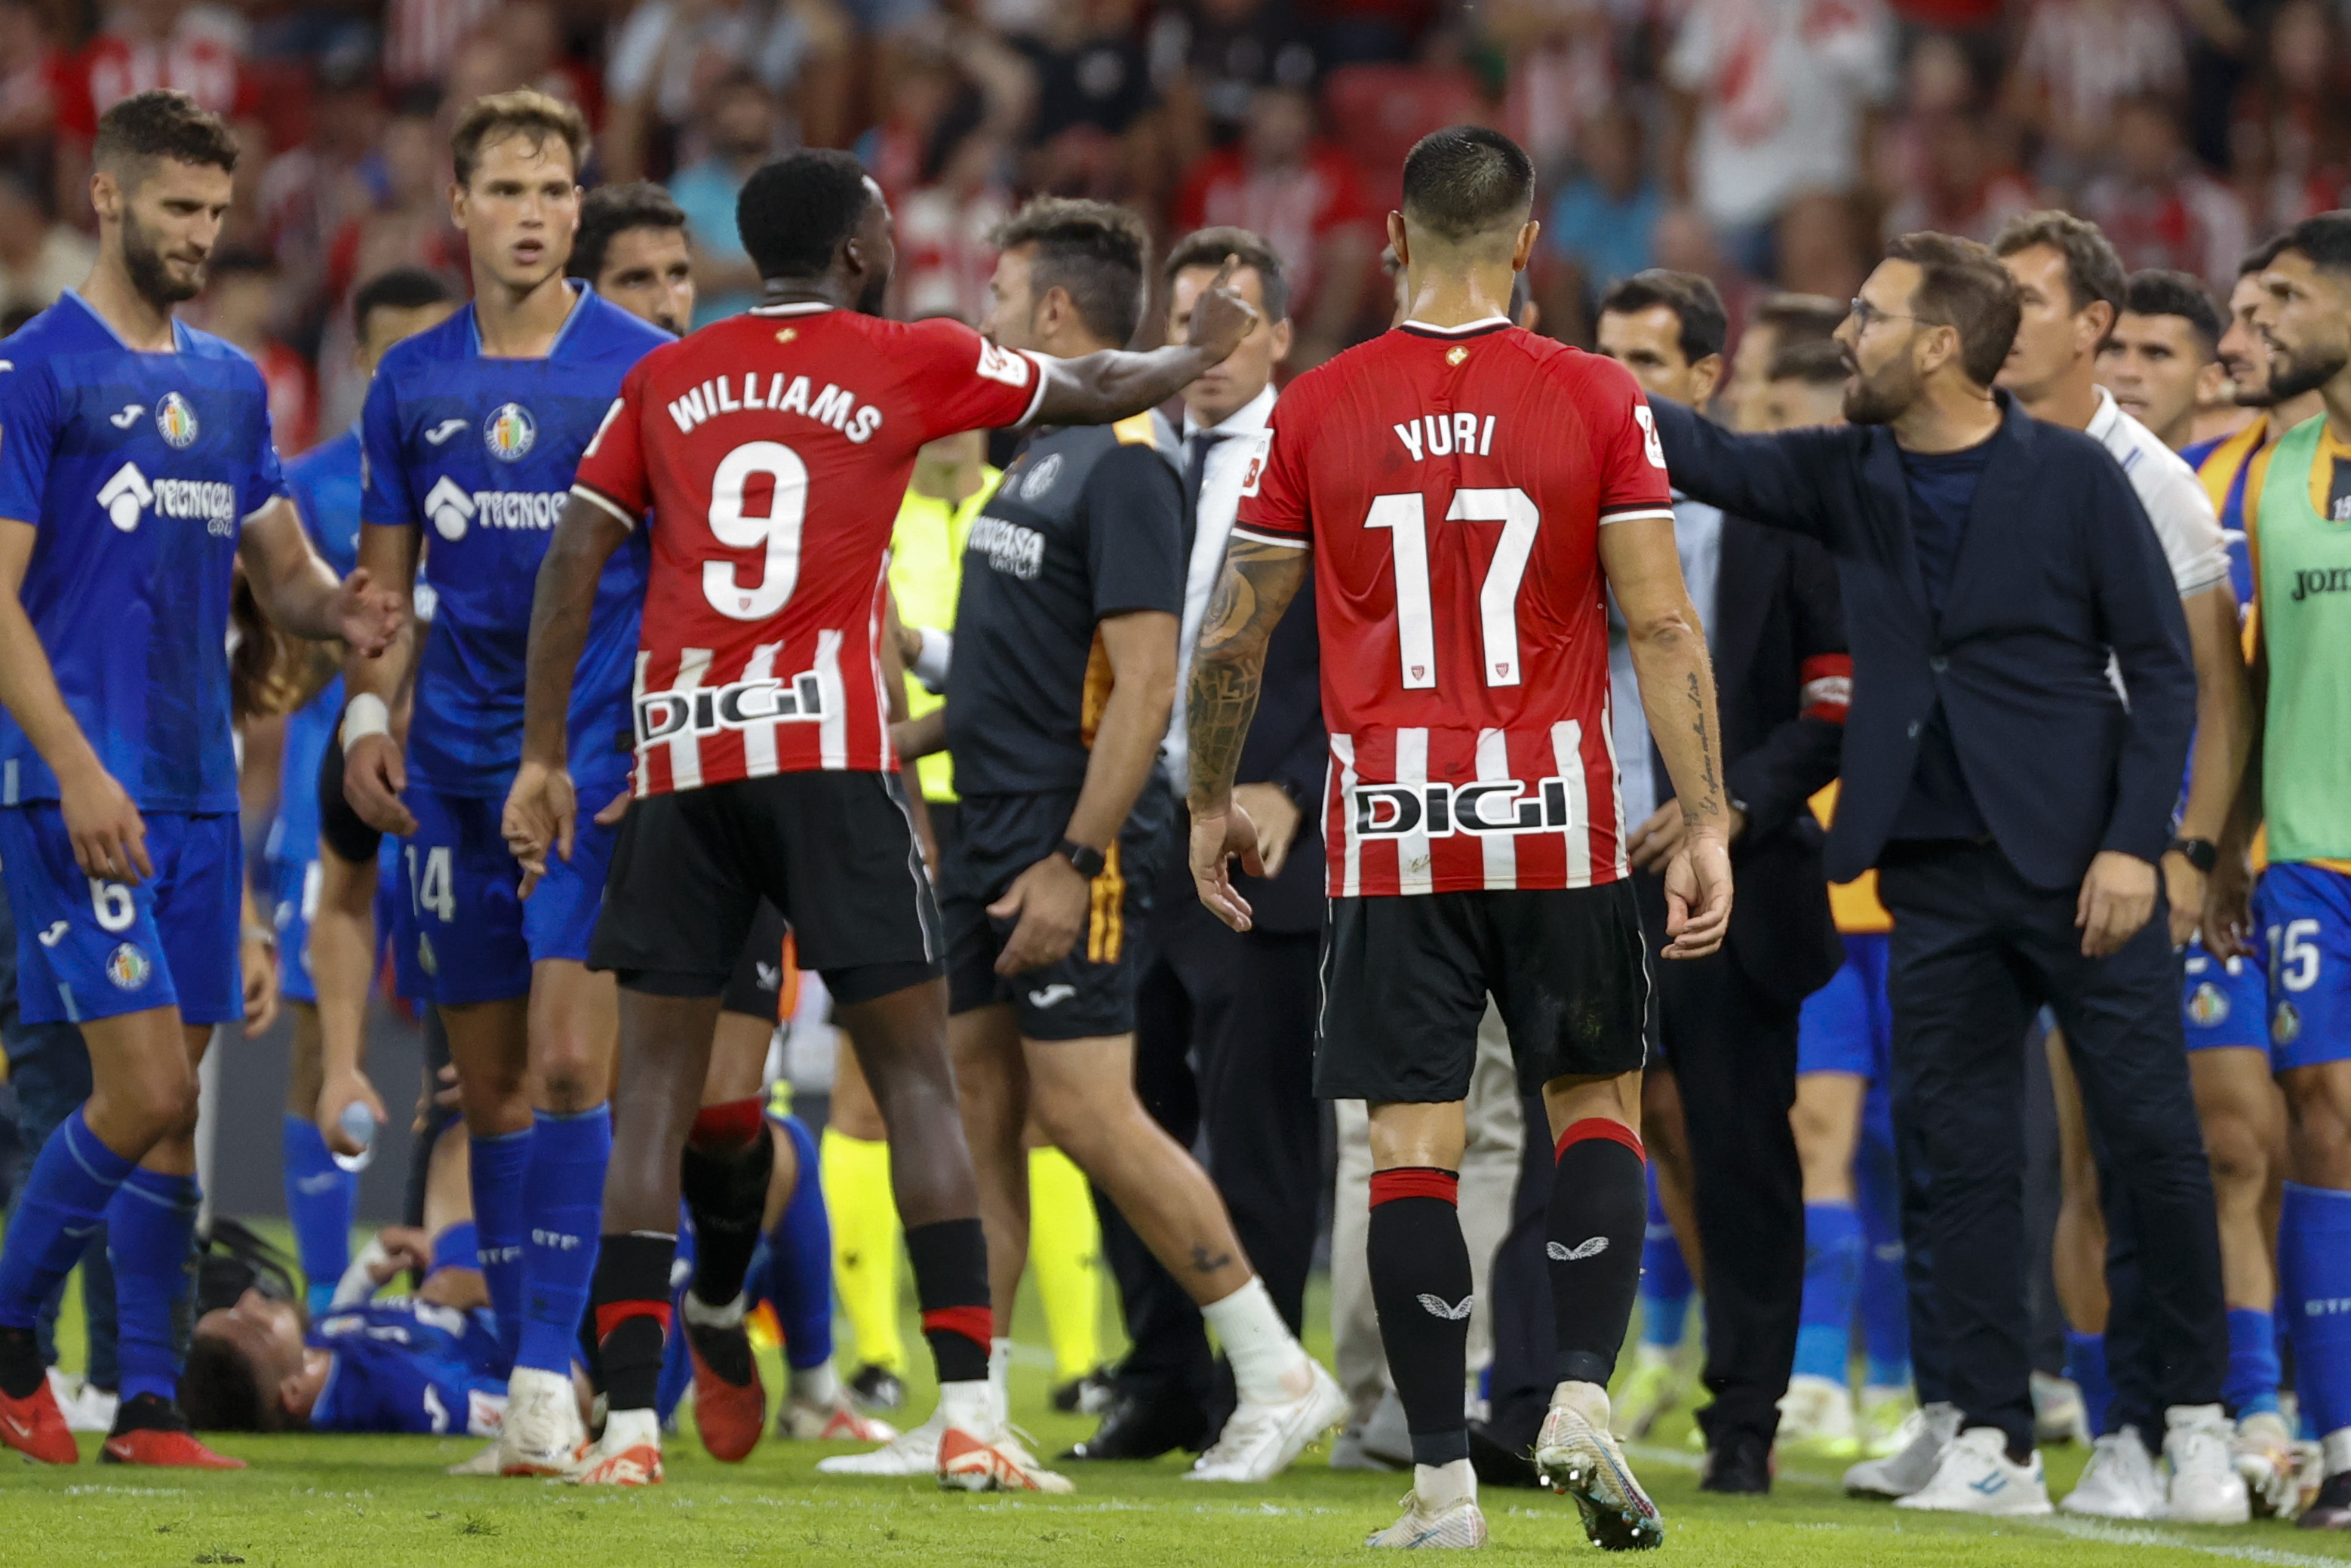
pixel 1406 516
pixel 778 532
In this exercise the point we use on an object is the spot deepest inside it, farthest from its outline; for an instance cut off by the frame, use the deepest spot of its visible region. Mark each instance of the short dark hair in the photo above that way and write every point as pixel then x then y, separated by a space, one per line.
pixel 1209 246
pixel 2093 270
pixel 1705 327
pixel 524 111
pixel 611 211
pixel 1816 362
pixel 401 289
pixel 221 1391
pixel 2325 239
pixel 1466 180
pixel 2258 259
pixel 2159 291
pixel 163 123
pixel 1963 286
pixel 794 213
pixel 1798 317
pixel 1097 252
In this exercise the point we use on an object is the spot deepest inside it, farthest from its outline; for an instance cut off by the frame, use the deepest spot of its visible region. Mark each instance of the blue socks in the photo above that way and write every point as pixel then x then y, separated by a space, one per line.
pixel 800 1260
pixel 64 1199
pixel 1832 1271
pixel 458 1246
pixel 563 1202
pixel 2315 1261
pixel 1666 1284
pixel 2085 1363
pixel 2252 1386
pixel 150 1231
pixel 321 1198
pixel 495 1174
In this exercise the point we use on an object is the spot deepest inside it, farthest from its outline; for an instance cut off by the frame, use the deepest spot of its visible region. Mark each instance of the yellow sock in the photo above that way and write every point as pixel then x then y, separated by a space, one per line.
pixel 864 1245
pixel 1065 1255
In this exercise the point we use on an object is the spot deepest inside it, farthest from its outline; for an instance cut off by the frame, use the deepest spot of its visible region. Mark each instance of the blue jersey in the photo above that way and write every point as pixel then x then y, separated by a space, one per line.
pixel 480 453
pixel 402 1365
pixel 138 471
pixel 325 482
pixel 2223 466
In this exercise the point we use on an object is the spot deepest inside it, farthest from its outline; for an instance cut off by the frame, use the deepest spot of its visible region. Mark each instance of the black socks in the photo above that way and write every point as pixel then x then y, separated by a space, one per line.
pixel 1599 1214
pixel 1420 1286
pixel 630 1300
pixel 950 1264
pixel 724 1179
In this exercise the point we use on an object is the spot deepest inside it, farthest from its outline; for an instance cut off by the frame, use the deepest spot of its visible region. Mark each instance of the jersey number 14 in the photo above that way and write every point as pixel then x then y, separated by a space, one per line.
pixel 1406 516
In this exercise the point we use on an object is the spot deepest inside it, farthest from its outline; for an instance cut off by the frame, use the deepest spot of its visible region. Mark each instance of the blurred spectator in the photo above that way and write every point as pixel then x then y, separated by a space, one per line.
pixel 1560 57
pixel 531 31
pixel 1299 191
pixel 669 54
pixel 308 194
pixel 1208 57
pixel 1781 323
pixel 409 224
pixel 946 227
pixel 1822 246
pixel 39 260
pixel 422 37
pixel 2158 208
pixel 1598 228
pixel 1959 185
pixel 1093 133
pixel 742 131
pixel 1771 94
pixel 29 67
pixel 239 304
pixel 2291 134
pixel 939 74
pixel 198 49
pixel 2080 59
pixel 1683 241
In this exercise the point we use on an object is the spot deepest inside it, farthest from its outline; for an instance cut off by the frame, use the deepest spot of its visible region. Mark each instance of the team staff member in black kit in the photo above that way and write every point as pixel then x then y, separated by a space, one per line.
pixel 1063 677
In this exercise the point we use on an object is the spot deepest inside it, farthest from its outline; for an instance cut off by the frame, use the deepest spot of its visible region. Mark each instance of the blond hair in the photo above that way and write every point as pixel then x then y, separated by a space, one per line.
pixel 522 112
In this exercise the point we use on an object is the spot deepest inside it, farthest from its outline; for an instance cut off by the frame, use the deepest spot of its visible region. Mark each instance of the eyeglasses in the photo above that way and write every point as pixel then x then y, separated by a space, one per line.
pixel 1869 315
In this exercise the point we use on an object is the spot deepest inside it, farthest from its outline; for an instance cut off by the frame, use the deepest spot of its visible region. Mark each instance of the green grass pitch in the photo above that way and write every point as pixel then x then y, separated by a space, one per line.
pixel 374 1502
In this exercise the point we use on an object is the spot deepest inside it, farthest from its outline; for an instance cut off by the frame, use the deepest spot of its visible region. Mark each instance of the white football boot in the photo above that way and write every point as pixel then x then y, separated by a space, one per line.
pixel 1978 1477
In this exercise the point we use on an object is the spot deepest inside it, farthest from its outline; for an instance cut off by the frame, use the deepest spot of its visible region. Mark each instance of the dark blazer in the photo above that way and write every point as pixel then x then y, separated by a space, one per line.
pixel 1286 746
pixel 2059 565
pixel 1776 608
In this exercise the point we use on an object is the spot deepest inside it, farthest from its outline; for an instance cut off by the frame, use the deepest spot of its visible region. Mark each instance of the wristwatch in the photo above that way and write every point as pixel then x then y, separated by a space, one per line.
pixel 1088 862
pixel 2202 854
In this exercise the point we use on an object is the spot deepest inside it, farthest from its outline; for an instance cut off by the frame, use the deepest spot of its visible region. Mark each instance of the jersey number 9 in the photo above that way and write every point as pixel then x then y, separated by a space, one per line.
pixel 778 532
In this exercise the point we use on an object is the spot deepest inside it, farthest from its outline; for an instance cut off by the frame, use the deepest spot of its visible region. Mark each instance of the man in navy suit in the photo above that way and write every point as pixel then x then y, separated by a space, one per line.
pixel 1994 569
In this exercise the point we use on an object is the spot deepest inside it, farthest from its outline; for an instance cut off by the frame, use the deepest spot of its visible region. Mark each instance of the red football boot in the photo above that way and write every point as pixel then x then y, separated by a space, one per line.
pixel 35 1426
pixel 730 1402
pixel 152 1431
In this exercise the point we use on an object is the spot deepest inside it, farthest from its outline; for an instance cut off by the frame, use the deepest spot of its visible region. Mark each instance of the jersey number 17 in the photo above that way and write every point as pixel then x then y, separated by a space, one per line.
pixel 1406 516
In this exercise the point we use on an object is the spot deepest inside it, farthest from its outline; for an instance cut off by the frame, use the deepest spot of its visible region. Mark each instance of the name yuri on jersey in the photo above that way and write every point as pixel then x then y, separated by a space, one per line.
pixel 1444 434
pixel 1440 811
pixel 836 406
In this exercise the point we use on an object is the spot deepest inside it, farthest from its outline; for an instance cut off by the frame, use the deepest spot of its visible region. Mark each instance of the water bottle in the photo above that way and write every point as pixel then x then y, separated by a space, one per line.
pixel 359 1124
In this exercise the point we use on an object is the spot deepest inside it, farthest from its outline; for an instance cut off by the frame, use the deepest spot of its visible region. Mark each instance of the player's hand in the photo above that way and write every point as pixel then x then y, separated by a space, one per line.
pixel 618 809
pixel 367 617
pixel 341 1090
pixel 1697 894
pixel 404 1247
pixel 1048 903
pixel 2117 897
pixel 2183 888
pixel 257 962
pixel 1220 317
pixel 110 837
pixel 1657 840
pixel 373 777
pixel 444 1092
pixel 1277 820
pixel 542 813
pixel 2229 908
pixel 1215 841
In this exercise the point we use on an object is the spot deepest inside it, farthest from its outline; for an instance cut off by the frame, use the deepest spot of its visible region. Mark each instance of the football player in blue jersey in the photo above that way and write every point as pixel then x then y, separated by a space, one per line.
pixel 135 472
pixel 321 1195
pixel 471 437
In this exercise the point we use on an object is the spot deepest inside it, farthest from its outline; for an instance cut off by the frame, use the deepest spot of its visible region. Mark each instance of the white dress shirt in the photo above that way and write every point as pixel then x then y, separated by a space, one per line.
pixel 1212 524
pixel 1697 540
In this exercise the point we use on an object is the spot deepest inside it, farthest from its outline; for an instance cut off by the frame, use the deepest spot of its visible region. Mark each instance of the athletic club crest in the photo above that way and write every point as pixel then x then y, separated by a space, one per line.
pixel 175 421
pixel 509 432
pixel 2208 1006
pixel 128 968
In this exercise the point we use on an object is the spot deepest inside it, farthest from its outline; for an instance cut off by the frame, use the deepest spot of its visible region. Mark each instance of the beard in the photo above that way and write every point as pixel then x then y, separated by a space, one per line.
pixel 1882 398
pixel 2293 373
pixel 143 258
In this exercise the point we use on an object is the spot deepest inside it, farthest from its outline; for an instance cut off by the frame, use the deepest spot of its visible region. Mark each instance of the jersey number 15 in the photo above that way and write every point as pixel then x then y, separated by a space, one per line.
pixel 1406 516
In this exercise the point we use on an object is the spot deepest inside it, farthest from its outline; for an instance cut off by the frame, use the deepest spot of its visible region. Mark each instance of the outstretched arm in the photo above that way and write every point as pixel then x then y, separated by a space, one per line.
pixel 297 589
pixel 1774 479
pixel 540 809
pixel 1645 572
pixel 1096 389
pixel 1259 582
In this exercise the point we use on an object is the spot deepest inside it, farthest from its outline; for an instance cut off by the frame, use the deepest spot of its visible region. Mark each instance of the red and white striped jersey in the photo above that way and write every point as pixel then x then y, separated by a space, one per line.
pixel 1452 484
pixel 773 449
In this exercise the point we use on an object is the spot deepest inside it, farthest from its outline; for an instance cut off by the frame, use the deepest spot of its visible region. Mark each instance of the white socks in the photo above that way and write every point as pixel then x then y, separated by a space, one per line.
pixel 1440 1487
pixel 1269 1367
pixel 702 1314
pixel 968 1407
pixel 1588 1400
pixel 2336 1449
pixel 628 1428
pixel 818 1384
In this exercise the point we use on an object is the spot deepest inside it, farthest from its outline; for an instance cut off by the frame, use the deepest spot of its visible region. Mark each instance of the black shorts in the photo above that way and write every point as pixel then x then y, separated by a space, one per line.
pixel 341 828
pixel 1090 992
pixel 834 853
pixel 1404 982
pixel 755 988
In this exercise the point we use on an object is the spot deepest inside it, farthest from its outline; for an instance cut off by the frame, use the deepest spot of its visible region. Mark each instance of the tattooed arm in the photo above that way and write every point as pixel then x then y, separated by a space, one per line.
pixel 1259 582
pixel 1668 645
